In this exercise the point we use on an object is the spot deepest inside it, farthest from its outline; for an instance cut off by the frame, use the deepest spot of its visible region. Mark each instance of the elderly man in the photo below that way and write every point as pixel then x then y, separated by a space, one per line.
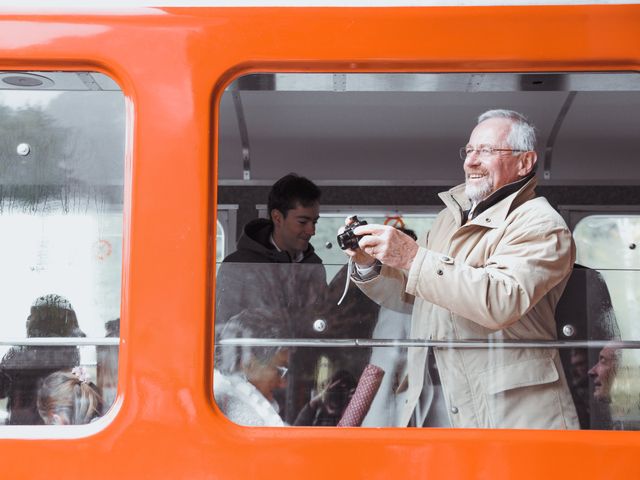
pixel 493 268
pixel 604 372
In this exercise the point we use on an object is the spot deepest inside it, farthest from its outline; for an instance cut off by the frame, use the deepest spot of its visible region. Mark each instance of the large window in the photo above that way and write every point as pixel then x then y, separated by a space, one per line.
pixel 61 188
pixel 296 342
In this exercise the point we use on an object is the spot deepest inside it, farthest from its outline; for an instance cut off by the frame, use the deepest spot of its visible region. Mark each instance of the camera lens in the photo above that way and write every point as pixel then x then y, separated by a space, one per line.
pixel 348 239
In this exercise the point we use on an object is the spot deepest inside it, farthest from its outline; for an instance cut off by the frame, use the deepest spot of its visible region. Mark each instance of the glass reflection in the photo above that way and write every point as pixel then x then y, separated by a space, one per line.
pixel 322 377
pixel 609 243
pixel 247 377
pixel 61 188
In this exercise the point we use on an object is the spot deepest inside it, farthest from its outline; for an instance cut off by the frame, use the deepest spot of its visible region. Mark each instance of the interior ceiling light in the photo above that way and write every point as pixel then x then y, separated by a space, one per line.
pixel 25 80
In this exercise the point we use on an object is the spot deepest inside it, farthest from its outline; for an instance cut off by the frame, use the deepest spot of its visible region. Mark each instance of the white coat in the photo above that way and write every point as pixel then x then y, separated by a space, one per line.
pixel 497 277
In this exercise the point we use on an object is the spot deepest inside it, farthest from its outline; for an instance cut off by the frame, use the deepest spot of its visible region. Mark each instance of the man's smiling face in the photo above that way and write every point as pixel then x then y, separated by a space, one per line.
pixel 487 173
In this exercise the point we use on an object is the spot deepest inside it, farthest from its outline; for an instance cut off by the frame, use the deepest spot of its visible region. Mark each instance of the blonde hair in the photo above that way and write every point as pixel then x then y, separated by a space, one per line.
pixel 72 398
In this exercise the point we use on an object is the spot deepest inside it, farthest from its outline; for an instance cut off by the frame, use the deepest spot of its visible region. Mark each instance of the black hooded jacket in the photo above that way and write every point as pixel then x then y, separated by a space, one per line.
pixel 254 246
pixel 298 290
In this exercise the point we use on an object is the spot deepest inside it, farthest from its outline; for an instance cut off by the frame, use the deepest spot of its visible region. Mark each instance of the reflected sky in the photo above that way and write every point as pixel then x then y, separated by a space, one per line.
pixel 19 99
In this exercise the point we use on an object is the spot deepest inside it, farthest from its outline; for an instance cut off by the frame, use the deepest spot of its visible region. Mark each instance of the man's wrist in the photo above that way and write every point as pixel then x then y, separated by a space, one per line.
pixel 368 272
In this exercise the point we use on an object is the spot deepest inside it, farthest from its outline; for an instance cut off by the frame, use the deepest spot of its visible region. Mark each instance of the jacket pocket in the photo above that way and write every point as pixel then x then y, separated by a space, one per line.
pixel 525 373
pixel 522 395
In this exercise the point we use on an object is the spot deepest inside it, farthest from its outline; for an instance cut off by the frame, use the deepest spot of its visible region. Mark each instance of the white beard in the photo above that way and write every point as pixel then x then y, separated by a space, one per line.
pixel 478 191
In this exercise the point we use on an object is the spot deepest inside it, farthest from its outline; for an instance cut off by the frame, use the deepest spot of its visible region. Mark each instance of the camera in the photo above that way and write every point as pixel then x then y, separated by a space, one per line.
pixel 348 239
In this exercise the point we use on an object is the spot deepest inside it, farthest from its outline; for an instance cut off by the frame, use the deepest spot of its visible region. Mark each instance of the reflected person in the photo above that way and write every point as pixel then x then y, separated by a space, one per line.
pixel 585 312
pixel 326 408
pixel 69 398
pixel 492 268
pixel 107 366
pixel 246 377
pixel 22 368
pixel 603 373
pixel 602 376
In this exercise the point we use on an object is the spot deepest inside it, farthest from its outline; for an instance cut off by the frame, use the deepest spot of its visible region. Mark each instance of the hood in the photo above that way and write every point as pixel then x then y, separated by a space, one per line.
pixel 256 238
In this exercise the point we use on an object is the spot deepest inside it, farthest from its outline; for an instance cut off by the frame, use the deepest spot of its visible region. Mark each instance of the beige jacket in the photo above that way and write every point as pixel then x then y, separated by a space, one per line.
pixel 498 277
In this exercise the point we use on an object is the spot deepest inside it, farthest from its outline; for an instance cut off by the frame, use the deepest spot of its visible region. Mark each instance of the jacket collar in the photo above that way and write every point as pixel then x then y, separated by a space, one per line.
pixel 496 213
pixel 256 237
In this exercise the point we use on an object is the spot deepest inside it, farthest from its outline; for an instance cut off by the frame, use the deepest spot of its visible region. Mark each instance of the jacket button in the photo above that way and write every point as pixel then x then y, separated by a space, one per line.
pixel 488 220
pixel 568 330
pixel 319 325
pixel 439 272
pixel 454 410
pixel 446 259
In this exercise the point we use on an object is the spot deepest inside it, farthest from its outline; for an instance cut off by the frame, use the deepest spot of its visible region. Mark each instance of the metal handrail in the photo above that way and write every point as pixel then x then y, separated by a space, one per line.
pixel 357 342
pixel 61 341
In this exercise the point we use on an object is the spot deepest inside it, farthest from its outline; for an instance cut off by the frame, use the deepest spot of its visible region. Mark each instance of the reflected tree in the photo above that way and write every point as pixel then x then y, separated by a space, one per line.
pixel 45 174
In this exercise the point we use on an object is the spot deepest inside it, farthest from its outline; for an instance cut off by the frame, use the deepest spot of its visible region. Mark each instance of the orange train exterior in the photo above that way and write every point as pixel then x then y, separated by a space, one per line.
pixel 173 64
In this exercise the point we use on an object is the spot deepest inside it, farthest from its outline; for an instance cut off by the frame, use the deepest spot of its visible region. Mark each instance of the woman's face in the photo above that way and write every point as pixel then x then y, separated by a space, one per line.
pixel 270 376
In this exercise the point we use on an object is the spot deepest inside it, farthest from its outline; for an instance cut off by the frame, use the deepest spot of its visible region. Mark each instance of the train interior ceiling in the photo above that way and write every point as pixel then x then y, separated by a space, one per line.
pixel 363 134
pixel 407 128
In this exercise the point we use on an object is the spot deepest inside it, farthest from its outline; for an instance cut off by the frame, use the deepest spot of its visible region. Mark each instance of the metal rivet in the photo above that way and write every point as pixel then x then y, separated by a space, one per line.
pixel 454 410
pixel 319 325
pixel 568 330
pixel 23 149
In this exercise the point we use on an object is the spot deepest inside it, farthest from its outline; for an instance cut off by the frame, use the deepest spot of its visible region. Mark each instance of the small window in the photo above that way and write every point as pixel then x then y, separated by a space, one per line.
pixel 220 244
pixel 61 191
pixel 225 231
pixel 609 245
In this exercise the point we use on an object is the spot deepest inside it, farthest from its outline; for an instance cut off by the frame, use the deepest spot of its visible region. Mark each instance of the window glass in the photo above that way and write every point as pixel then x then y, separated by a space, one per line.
pixel 225 231
pixel 324 240
pixel 220 242
pixel 608 244
pixel 290 378
pixel 61 187
pixel 479 333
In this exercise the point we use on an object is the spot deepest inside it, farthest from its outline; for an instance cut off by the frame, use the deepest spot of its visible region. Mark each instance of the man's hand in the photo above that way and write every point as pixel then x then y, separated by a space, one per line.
pixel 387 244
pixel 359 256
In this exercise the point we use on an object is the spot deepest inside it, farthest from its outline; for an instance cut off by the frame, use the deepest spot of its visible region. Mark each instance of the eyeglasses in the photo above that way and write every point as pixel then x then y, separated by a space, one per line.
pixel 282 371
pixel 484 151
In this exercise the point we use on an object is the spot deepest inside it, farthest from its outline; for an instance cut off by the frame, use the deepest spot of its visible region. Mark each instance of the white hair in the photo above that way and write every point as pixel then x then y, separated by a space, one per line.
pixel 522 135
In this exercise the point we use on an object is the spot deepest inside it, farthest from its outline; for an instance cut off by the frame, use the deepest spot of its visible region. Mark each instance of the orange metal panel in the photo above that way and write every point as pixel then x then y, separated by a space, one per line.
pixel 172 65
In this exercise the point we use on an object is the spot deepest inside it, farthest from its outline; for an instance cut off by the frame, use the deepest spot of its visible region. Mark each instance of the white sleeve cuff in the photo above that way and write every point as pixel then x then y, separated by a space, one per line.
pixel 367 273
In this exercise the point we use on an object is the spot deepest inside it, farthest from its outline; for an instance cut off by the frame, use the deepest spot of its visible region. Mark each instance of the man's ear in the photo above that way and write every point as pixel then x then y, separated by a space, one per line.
pixel 277 217
pixel 526 162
